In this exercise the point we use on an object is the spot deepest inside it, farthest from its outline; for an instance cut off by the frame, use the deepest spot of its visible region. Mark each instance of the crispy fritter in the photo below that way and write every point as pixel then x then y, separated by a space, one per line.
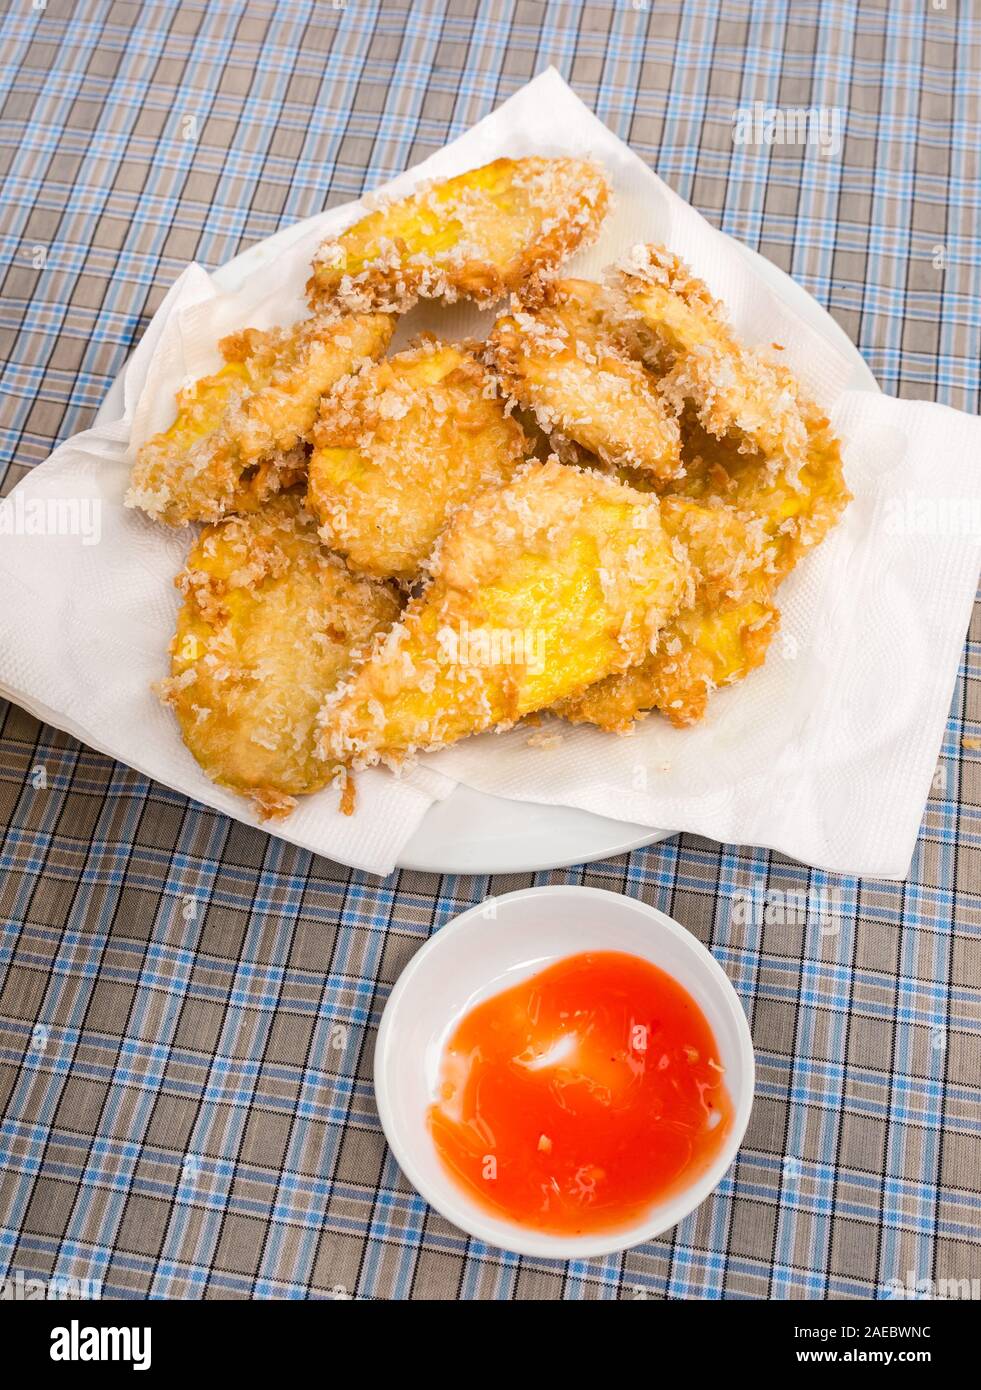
pixel 796 507
pixel 538 589
pixel 561 361
pixel 704 649
pixel 717 638
pixel 269 624
pixel 690 346
pixel 477 236
pixel 400 447
pixel 762 518
pixel 239 434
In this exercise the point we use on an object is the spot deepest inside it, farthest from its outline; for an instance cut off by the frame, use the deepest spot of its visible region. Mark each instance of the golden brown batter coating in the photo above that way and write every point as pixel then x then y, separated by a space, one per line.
pixel 538 589
pixel 797 506
pixel 692 349
pixel 240 434
pixel 480 235
pixel 746 525
pixel 269 625
pixel 561 360
pixel 400 447
pixel 716 638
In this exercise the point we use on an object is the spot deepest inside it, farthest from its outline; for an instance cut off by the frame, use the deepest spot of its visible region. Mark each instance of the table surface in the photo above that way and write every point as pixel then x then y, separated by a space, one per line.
pixel 177 1118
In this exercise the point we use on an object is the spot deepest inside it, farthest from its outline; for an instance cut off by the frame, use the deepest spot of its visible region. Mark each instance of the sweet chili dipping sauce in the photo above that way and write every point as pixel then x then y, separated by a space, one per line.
pixel 576 1100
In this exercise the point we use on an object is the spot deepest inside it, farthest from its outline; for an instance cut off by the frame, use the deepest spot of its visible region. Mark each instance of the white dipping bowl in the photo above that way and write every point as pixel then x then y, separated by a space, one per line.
pixel 494 946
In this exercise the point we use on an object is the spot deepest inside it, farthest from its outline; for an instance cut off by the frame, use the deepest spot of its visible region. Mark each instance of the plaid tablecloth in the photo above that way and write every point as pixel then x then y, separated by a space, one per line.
pixel 174 1119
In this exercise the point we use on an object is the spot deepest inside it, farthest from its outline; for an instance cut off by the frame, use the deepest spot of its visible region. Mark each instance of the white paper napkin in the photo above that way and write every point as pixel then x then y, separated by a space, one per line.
pixel 825 754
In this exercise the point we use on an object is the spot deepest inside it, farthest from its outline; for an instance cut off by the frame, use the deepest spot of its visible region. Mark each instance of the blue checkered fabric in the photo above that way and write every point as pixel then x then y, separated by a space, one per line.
pixel 177 1117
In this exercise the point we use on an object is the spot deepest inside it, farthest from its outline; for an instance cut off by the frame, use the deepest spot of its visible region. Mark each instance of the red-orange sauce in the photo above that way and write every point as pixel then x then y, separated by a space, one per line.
pixel 576 1100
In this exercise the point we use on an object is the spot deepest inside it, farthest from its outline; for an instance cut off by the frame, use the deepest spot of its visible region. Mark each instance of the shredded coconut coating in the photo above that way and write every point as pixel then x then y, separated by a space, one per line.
pixel 688 343
pixel 400 447
pixel 757 454
pixel 477 236
pixel 270 623
pixel 716 638
pixel 745 528
pixel 240 435
pixel 562 361
pixel 570 569
pixel 796 507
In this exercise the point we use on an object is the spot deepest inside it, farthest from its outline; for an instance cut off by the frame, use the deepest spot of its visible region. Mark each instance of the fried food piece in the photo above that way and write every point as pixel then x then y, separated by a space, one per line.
pixel 478 236
pixel 717 638
pixel 538 589
pixel 704 649
pixel 238 435
pixel 562 362
pixel 400 447
pixel 269 624
pixel 795 507
pixel 725 633
pixel 690 345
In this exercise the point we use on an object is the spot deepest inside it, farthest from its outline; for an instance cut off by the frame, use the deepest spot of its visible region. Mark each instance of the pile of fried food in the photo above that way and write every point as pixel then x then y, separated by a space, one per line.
pixel 588 514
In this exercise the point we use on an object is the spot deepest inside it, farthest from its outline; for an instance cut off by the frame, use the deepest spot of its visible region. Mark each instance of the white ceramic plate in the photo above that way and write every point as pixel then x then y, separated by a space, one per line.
pixel 472 832
pixel 464 963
